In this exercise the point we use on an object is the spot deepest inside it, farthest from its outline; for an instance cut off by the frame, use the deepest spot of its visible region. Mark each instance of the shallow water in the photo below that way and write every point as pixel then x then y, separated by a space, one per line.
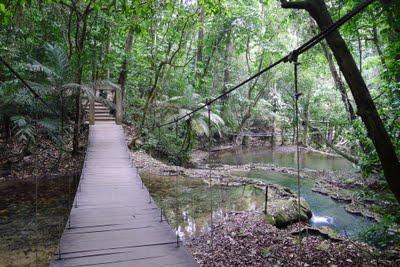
pixel 308 159
pixel 187 204
pixel 326 212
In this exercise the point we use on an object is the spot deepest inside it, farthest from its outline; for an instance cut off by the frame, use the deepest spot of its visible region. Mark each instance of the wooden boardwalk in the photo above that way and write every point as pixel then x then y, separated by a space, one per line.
pixel 112 222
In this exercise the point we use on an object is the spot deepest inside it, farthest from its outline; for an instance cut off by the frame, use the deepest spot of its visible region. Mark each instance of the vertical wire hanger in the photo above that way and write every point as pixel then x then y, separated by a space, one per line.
pixel 297 95
pixel 36 221
pixel 176 192
pixel 210 180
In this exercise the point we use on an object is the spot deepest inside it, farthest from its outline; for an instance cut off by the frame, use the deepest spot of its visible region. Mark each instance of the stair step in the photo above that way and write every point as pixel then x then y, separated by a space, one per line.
pixel 110 119
pixel 100 116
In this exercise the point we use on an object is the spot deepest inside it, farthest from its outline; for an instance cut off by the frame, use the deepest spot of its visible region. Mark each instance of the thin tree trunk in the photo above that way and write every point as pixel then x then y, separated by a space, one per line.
pixel 80 37
pixel 306 114
pixel 337 78
pixel 359 49
pixel 124 66
pixel 200 43
pixel 329 143
pixel 375 40
pixel 228 50
pixel 365 106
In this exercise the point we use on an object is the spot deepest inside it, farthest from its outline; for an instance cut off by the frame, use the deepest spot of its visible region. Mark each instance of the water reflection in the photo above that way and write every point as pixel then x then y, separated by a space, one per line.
pixel 187 203
pixel 308 159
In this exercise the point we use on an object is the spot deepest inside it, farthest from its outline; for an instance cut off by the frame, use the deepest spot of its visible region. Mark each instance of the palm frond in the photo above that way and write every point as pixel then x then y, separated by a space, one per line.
pixel 59 59
pixel 200 127
pixel 215 119
pixel 36 66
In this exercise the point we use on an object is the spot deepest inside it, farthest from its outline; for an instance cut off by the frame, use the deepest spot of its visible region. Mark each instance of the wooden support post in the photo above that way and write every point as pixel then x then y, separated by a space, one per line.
pixel 118 100
pixel 91 110
pixel 266 199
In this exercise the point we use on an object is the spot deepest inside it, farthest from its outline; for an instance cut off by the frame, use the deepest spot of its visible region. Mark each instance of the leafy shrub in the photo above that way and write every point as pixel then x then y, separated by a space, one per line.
pixel 167 146
pixel 384 233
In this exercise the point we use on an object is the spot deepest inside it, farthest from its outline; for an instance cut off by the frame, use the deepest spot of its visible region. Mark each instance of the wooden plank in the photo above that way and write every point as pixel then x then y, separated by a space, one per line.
pixel 114 221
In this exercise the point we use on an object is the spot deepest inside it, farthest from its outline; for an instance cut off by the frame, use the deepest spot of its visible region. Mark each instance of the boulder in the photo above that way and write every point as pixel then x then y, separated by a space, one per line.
pixel 283 212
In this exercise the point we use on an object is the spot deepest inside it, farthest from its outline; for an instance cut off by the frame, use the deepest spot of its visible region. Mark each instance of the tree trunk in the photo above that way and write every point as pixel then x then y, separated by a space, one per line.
pixel 375 39
pixel 391 9
pixel 326 140
pixel 365 106
pixel 124 66
pixel 200 44
pixel 228 50
pixel 80 37
pixel 338 82
pixel 306 114
pixel 359 49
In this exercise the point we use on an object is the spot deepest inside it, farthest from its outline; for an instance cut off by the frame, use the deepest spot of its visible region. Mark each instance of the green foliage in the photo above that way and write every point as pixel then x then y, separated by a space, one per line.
pixel 168 146
pixel 24 130
pixel 184 52
pixel 384 233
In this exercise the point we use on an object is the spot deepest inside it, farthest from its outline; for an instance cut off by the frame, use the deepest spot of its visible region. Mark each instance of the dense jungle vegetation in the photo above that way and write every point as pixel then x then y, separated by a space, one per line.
pixel 170 57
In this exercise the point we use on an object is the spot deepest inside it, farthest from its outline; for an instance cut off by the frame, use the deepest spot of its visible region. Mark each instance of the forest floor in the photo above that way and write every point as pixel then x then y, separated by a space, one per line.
pixel 244 239
pixel 55 177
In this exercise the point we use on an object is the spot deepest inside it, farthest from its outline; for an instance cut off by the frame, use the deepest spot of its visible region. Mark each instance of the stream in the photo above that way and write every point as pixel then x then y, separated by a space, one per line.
pixel 326 212
pixel 187 202
pixel 308 159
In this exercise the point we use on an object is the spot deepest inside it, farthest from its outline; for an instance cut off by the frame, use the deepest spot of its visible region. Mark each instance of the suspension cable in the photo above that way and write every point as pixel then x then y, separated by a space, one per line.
pixel 300 50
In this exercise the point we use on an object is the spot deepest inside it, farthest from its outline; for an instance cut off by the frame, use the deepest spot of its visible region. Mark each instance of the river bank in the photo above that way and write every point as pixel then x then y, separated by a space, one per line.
pixel 344 187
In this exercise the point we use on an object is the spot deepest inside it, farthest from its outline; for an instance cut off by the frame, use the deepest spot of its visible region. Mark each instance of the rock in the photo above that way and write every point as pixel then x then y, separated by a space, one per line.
pixel 353 210
pixel 325 232
pixel 284 212
pixel 323 246
pixel 341 198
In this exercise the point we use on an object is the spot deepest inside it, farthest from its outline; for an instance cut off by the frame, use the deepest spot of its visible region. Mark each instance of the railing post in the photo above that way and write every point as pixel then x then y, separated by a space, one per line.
pixel 118 100
pixel 266 200
pixel 91 109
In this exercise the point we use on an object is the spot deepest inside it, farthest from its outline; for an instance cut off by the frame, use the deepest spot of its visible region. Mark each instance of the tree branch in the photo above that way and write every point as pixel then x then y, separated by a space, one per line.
pixel 295 5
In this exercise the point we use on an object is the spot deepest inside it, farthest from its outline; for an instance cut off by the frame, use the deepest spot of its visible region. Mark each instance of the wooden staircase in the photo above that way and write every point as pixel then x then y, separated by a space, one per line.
pixel 101 112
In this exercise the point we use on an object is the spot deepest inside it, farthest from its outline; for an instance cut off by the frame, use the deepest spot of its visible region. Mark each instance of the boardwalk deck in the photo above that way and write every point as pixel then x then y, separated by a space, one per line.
pixel 112 222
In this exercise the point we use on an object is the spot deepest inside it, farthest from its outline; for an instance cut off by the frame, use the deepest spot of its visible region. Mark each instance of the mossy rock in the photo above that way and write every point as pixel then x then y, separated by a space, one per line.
pixel 284 212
